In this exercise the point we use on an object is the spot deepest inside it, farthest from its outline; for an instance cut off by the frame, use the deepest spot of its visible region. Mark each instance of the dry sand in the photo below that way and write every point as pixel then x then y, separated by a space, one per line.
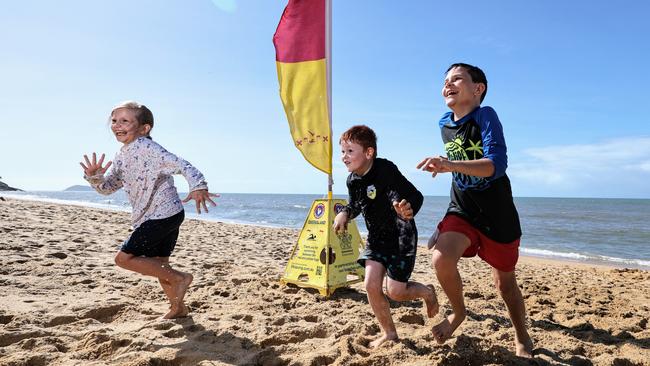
pixel 64 302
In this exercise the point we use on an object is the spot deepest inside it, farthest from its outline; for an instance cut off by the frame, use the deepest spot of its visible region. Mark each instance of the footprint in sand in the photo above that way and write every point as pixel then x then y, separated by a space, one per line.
pixel 311 318
pixel 177 332
pixel 104 314
pixel 59 255
pixel 61 320
pixel 412 319
pixel 246 318
pixel 222 293
pixel 279 321
pixel 295 336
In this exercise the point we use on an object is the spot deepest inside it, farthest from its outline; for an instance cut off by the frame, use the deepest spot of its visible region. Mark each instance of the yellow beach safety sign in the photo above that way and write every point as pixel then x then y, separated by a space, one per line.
pixel 321 259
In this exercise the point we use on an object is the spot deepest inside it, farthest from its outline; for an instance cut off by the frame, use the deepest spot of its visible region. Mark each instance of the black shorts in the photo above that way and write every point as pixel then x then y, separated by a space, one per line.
pixel 398 268
pixel 154 238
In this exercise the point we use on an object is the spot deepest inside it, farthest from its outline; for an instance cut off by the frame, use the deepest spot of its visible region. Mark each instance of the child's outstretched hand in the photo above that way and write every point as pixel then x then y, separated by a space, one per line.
pixel 435 165
pixel 94 167
pixel 340 222
pixel 201 196
pixel 403 209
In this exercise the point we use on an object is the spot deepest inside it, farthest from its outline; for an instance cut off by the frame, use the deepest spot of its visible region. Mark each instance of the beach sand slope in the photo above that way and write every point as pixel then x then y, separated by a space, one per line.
pixel 64 302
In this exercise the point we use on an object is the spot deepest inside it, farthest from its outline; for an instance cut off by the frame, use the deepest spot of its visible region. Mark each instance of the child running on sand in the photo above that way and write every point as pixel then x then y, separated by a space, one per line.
pixel 144 169
pixel 481 218
pixel 388 202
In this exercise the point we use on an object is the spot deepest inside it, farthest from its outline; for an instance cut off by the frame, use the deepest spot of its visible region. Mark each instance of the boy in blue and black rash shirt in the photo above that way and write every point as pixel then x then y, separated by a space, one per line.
pixel 388 202
pixel 481 217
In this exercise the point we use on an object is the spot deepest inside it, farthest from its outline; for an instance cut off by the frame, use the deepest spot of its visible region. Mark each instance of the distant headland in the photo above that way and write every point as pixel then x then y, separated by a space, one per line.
pixel 79 188
pixel 6 187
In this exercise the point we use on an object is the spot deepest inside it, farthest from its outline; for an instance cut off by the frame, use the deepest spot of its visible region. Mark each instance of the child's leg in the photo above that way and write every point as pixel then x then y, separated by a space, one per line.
pixel 178 281
pixel 166 285
pixel 169 290
pixel 404 291
pixel 176 295
pixel 506 282
pixel 375 272
pixel 448 249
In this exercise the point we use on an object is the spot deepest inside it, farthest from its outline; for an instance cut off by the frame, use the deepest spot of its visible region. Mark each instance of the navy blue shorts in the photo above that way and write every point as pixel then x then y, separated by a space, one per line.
pixel 398 268
pixel 154 238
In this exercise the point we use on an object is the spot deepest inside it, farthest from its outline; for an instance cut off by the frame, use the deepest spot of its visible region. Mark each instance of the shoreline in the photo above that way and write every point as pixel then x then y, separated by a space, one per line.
pixel 66 302
pixel 422 243
pixel 582 263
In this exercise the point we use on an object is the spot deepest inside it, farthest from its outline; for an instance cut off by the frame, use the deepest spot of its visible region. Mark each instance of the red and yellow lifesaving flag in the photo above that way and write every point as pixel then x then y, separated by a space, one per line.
pixel 301 52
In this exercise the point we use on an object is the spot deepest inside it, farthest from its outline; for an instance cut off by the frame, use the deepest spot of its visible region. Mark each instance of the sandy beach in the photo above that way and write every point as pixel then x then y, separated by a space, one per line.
pixel 64 302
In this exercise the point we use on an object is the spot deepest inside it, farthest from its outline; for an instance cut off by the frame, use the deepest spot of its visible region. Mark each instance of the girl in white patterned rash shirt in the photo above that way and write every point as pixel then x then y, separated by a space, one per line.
pixel 144 169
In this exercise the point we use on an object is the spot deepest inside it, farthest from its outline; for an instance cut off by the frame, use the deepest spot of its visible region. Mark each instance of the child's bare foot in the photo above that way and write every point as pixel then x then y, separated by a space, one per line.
pixel 524 349
pixel 381 340
pixel 177 312
pixel 432 302
pixel 446 328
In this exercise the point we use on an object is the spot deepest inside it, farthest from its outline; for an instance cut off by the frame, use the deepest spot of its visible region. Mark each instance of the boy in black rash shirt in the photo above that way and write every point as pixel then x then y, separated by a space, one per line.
pixel 388 202
pixel 481 218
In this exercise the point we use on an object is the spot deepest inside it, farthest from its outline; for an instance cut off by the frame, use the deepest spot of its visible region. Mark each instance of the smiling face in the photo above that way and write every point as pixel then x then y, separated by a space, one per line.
pixel 125 126
pixel 460 92
pixel 357 159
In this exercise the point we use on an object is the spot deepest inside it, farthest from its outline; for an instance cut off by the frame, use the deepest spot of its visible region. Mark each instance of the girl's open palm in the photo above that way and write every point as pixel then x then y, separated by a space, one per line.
pixel 201 196
pixel 95 167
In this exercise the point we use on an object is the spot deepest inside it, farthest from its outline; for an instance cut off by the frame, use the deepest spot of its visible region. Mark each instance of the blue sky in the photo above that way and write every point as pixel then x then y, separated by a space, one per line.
pixel 568 80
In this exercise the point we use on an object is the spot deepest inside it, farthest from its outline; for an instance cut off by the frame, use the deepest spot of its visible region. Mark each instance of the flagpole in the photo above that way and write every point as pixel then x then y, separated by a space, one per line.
pixel 328 58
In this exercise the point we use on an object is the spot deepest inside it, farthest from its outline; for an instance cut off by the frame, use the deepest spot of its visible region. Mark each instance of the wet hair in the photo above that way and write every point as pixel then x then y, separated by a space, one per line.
pixel 477 75
pixel 142 114
pixel 362 135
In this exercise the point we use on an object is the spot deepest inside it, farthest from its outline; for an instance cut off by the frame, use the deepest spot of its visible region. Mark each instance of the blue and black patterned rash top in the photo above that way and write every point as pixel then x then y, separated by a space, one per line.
pixel 373 195
pixel 144 169
pixel 485 202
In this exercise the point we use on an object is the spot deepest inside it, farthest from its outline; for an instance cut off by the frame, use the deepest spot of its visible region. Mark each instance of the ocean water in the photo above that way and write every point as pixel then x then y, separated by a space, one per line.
pixel 607 231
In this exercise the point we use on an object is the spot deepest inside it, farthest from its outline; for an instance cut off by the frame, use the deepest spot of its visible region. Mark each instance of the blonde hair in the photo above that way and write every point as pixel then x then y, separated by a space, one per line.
pixel 142 114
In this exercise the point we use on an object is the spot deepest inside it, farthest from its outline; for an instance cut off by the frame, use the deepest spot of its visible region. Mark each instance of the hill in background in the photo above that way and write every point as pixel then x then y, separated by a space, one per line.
pixel 6 187
pixel 78 188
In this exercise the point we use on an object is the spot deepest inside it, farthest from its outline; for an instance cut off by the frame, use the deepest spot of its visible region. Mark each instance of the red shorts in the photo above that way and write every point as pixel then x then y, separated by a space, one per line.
pixel 502 256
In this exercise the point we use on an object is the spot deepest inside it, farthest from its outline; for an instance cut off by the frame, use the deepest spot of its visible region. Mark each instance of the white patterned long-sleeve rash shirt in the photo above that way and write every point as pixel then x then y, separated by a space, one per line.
pixel 144 169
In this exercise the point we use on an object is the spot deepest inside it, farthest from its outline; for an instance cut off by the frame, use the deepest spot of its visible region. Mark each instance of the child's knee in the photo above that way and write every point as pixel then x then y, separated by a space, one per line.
pixel 396 293
pixel 504 288
pixel 121 259
pixel 372 287
pixel 505 285
pixel 440 262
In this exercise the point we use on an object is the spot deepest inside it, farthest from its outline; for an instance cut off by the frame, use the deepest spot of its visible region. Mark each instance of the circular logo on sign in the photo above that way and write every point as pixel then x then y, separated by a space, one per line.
pixel 338 208
pixel 319 210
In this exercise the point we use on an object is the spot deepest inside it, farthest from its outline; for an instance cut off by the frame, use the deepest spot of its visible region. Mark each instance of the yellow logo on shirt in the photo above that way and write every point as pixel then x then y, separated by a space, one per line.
pixel 371 191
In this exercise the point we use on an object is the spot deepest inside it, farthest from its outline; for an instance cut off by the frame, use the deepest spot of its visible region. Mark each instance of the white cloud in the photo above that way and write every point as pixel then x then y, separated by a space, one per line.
pixel 609 151
pixel 613 168
pixel 645 166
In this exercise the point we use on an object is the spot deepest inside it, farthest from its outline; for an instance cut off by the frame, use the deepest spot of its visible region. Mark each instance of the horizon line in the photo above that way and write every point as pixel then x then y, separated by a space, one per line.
pixel 345 194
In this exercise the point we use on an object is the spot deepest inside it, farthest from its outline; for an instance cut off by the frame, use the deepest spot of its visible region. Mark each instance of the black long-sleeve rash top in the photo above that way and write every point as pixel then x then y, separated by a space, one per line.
pixel 373 195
